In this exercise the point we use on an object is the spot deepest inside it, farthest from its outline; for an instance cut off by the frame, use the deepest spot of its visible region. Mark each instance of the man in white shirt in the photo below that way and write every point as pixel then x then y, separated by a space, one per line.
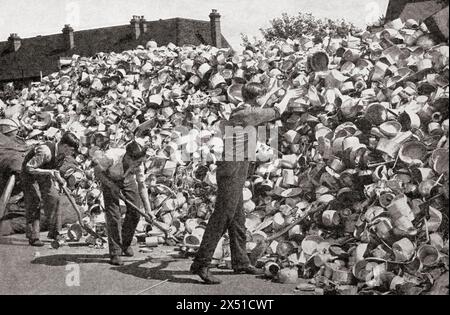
pixel 125 168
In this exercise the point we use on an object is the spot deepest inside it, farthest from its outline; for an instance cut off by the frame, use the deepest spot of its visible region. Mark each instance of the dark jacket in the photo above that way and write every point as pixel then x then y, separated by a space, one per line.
pixel 239 134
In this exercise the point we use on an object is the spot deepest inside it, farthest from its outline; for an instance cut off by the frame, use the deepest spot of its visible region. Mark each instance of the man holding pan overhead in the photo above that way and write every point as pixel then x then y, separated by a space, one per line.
pixel 232 173
pixel 121 172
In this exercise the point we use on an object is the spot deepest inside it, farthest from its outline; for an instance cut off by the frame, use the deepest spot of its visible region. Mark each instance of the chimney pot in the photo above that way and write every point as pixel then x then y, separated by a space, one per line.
pixel 67 28
pixel 216 31
pixel 15 42
pixel 143 25
pixel 136 26
pixel 69 40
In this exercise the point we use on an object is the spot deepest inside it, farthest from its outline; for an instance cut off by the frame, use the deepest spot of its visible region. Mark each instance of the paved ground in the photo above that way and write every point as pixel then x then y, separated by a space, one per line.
pixel 27 270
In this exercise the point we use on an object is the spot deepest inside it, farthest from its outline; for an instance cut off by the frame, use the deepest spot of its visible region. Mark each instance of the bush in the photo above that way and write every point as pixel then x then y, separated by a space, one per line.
pixel 305 24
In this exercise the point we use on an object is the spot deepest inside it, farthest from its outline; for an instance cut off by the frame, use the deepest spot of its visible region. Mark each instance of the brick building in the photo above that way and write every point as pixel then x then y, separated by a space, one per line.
pixel 25 60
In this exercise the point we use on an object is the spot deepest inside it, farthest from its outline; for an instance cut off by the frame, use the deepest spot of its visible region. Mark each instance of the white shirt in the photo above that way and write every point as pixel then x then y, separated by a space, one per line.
pixel 111 162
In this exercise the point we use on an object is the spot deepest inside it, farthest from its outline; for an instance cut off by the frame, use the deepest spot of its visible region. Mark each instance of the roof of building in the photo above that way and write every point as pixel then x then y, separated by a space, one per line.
pixel 42 53
pixel 413 9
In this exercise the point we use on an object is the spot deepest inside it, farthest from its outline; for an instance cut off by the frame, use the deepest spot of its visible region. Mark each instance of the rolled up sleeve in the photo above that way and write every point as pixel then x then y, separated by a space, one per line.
pixel 251 116
pixel 102 161
pixel 42 155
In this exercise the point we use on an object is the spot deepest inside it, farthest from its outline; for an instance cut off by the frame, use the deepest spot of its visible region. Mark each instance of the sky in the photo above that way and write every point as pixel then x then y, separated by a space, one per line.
pixel 29 18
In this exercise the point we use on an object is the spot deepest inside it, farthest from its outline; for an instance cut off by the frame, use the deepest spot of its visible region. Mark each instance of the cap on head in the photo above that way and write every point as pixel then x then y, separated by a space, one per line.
pixel 70 140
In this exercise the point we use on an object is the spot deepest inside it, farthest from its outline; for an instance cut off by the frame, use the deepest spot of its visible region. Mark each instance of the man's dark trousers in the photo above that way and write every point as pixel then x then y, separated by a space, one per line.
pixel 228 215
pixel 120 236
pixel 50 198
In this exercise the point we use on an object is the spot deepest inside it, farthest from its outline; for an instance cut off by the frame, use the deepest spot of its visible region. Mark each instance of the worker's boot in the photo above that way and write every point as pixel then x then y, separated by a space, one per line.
pixel 116 261
pixel 204 273
pixel 36 243
pixel 128 252
pixel 52 235
pixel 249 270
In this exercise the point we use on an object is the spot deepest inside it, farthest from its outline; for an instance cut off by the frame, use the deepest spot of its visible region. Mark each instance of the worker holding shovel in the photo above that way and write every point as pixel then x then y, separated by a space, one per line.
pixel 232 173
pixel 121 173
pixel 41 167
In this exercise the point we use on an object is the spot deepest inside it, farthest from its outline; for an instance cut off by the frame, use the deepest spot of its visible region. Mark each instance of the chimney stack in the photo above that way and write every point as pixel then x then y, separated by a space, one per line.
pixel 15 42
pixel 216 32
pixel 69 41
pixel 143 24
pixel 135 26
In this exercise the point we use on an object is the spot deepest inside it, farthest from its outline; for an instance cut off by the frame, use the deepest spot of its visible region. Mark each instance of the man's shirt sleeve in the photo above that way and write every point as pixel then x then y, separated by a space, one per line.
pixel 253 116
pixel 140 174
pixel 102 160
pixel 42 155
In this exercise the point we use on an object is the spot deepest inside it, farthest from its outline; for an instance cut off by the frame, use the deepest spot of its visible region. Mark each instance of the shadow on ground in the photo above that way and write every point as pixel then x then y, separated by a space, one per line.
pixel 15 241
pixel 156 273
pixel 63 259
pixel 132 267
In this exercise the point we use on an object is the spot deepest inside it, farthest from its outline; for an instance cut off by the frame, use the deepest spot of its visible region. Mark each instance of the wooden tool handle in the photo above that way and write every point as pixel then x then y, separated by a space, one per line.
pixel 145 215
pixel 72 202
pixel 298 221
pixel 6 195
pixel 107 181
pixel 86 227
pixel 135 208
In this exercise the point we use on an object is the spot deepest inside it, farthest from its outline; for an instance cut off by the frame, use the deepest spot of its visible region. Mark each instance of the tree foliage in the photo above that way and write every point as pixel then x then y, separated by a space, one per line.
pixel 305 24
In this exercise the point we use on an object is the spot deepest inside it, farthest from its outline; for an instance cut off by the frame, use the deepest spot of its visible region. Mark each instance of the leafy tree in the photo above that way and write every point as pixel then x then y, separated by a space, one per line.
pixel 247 43
pixel 377 24
pixel 305 24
